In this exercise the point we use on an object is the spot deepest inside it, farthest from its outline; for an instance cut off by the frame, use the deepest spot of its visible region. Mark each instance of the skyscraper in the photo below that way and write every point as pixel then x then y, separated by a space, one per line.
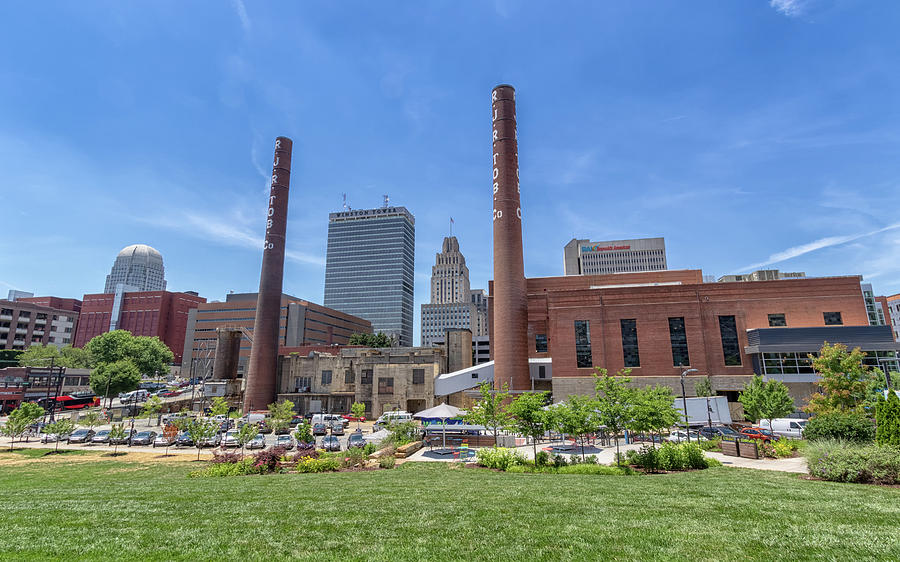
pixel 453 304
pixel 369 268
pixel 138 268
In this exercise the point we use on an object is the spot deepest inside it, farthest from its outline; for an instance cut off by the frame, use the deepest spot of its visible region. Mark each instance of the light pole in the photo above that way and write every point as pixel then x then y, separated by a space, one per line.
pixel 687 427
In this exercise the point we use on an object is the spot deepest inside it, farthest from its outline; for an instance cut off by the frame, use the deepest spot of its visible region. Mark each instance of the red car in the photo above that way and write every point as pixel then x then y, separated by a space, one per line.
pixel 171 393
pixel 763 435
pixel 351 417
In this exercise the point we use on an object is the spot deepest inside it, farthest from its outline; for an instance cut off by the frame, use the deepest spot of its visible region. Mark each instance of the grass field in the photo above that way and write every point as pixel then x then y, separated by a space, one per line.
pixel 82 507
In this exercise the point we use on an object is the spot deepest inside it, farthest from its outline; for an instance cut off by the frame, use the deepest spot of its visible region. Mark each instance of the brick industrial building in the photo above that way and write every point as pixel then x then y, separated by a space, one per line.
pixel 152 313
pixel 300 323
pixel 38 320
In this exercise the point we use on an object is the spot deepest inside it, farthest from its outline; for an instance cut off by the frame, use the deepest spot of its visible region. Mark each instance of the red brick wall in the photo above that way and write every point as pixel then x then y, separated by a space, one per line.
pixel 73 305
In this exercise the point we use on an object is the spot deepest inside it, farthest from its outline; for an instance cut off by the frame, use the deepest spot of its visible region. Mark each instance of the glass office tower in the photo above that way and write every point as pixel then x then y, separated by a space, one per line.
pixel 369 268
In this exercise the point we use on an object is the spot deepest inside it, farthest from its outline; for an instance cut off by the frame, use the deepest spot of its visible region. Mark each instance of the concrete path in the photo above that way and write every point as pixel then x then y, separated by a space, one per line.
pixel 794 464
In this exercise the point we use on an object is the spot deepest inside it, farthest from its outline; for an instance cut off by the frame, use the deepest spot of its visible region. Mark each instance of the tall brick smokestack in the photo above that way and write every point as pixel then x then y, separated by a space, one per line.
pixel 260 390
pixel 510 319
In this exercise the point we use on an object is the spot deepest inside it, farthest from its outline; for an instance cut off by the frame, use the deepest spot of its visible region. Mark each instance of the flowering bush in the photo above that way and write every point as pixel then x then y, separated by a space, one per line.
pixel 268 460
pixel 225 457
pixel 840 461
pixel 310 464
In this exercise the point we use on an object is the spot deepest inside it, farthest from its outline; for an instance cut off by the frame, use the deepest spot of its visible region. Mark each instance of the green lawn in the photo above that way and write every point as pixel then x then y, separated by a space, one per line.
pixel 118 509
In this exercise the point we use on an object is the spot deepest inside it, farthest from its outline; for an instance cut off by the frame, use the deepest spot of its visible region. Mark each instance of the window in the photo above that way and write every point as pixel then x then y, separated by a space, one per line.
pixel 540 343
pixel 833 318
pixel 542 372
pixel 475 375
pixel 366 377
pixel 418 376
pixel 349 378
pixel 630 342
pixel 777 320
pixel 678 339
pixel 731 348
pixel 583 356
pixel 326 377
pixel 302 384
pixel 385 385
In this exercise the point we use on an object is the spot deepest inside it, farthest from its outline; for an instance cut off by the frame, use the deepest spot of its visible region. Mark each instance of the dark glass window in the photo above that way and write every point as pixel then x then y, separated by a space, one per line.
pixel 349 377
pixel 326 377
pixel 678 338
pixel 833 319
pixel 777 320
pixel 542 372
pixel 366 377
pixel 540 343
pixel 731 348
pixel 630 342
pixel 385 385
pixel 418 376
pixel 583 357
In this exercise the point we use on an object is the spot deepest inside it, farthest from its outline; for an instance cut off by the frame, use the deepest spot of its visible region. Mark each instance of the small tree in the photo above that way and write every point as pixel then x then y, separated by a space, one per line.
pixel 845 379
pixel 490 411
pixel 116 433
pixel 170 432
pixel 577 417
pixel 654 410
pixel 19 420
pixel 614 402
pixel 89 420
pixel 245 434
pixel 60 427
pixel 528 416
pixel 887 417
pixel 200 431
pixel 152 407
pixel 303 433
pixel 280 414
pixel 371 340
pixel 219 406
pixel 765 400
pixel 358 409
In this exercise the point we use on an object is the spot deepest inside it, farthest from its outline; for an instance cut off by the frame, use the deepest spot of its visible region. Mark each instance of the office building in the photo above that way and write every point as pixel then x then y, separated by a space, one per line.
pixel 145 313
pixel 301 323
pixel 369 268
pixel 892 304
pixel 762 275
pixel 14 295
pixel 873 307
pixel 24 323
pixel 138 268
pixel 583 257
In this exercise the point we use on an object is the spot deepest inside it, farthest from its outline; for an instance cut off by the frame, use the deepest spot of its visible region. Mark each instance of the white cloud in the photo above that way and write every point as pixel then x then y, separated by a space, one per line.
pixel 241 13
pixel 790 8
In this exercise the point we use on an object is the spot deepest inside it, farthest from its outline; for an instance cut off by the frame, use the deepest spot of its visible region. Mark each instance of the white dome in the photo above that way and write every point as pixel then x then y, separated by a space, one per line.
pixel 139 250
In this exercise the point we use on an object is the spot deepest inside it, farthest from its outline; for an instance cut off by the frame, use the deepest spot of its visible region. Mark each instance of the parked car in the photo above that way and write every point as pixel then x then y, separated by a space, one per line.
pixel 331 443
pixel 122 440
pixel 285 441
pixel 144 438
pixel 163 441
pixel 337 428
pixel 352 418
pixel 283 430
pixel 258 442
pixel 51 437
pixel 356 439
pixel 719 432
pixel 170 393
pixel 787 427
pixel 213 441
pixel 295 420
pixel 184 440
pixel 763 435
pixel 319 428
pixel 231 439
pixel 101 436
pixel 680 435
pixel 264 428
pixel 81 436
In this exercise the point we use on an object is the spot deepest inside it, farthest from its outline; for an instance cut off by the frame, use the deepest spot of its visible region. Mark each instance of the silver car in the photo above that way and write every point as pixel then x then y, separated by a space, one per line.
pixel 81 436
pixel 212 441
pixel 231 439
pixel 101 436
pixel 258 442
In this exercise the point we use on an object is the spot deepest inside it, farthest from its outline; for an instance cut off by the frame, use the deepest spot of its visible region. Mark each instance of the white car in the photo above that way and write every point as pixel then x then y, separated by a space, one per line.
pixel 681 435
pixel 231 439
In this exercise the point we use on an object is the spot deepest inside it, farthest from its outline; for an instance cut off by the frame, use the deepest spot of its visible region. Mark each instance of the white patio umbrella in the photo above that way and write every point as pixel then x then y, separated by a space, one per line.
pixel 443 412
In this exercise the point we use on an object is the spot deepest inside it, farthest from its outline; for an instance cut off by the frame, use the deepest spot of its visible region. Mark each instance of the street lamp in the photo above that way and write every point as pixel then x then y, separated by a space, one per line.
pixel 687 427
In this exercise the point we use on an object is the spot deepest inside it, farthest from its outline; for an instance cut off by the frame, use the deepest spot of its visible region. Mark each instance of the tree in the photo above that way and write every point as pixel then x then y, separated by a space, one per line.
pixel 303 434
pixel 200 431
pixel 489 411
pixel 247 433
pixel 765 400
pixel 116 433
pixel 614 401
pixel 39 355
pixel 358 409
pixel 59 428
pixel 89 420
pixel 703 389
pixel 887 416
pixel 528 416
pixel 10 357
pixel 151 355
pixel 371 340
pixel 577 416
pixel 111 346
pixel 281 413
pixel 219 406
pixel 109 379
pixel 151 407
pixel 19 420
pixel 845 379
pixel 654 410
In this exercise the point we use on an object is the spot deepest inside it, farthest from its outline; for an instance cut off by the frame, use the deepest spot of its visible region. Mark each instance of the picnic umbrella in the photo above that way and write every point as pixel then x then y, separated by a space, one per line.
pixel 442 412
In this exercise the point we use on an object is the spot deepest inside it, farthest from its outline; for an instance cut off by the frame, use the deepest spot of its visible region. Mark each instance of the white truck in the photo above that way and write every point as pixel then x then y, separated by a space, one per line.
pixel 699 415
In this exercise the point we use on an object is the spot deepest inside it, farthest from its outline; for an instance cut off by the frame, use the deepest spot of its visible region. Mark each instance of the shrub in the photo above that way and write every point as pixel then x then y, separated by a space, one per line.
pixel 694 457
pixel 225 457
pixel 308 452
pixel 353 457
pixel 646 458
pixel 542 458
pixel 841 461
pixel 402 433
pixel 370 448
pixel 887 414
pixel 387 461
pixel 219 469
pixel 559 460
pixel 784 447
pixel 672 457
pixel 499 457
pixel 711 445
pixel 311 464
pixel 587 468
pixel 837 425
pixel 268 460
pixel 591 459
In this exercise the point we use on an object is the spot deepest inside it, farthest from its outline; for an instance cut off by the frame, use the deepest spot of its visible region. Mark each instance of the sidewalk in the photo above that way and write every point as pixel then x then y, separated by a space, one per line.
pixel 794 464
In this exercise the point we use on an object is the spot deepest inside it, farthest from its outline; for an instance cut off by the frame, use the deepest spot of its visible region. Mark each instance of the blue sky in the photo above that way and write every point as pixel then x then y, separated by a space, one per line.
pixel 748 134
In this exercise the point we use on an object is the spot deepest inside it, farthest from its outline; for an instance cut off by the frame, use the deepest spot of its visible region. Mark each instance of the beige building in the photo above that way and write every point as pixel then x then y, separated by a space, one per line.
pixel 383 379
pixel 453 306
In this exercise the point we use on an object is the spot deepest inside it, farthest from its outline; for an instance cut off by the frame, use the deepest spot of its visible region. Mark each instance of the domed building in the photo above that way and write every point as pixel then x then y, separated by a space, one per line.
pixel 139 268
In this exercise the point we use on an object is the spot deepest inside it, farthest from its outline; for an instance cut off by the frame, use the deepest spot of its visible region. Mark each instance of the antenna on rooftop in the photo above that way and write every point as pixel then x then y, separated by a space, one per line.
pixel 386 201
pixel 345 205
